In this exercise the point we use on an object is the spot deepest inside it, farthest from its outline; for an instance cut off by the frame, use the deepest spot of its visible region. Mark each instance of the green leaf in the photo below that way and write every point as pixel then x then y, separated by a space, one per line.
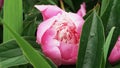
pixel 31 54
pixel 11 54
pixel 90 4
pixel 53 2
pixel 104 6
pixel 29 28
pixel 114 66
pixel 96 8
pixel 76 4
pixel 105 14
pixel 15 61
pixel 49 61
pixel 114 19
pixel 91 43
pixel 107 43
pixel 1 33
pixel 28 5
pixel 50 2
pixel 69 2
pixel 111 18
pixel 13 17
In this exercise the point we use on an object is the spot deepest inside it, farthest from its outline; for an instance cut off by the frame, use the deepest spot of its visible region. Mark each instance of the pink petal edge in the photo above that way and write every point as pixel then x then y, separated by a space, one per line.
pixel 48 11
pixel 50 46
pixel 78 21
pixel 115 53
pixel 82 10
pixel 43 27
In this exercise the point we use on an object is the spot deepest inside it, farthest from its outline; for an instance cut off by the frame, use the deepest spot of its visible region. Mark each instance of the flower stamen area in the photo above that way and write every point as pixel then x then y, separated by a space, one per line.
pixel 65 31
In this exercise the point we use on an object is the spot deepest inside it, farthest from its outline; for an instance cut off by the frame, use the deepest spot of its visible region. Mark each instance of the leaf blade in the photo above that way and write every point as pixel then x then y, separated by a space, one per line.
pixel 90 51
pixel 35 59
pixel 12 17
pixel 107 43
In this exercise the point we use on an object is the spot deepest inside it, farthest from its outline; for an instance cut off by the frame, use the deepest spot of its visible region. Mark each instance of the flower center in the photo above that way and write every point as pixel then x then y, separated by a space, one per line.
pixel 66 32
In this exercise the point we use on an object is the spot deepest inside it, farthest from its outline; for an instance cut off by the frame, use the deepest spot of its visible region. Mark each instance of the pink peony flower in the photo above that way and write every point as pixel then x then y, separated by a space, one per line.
pixel 115 54
pixel 59 33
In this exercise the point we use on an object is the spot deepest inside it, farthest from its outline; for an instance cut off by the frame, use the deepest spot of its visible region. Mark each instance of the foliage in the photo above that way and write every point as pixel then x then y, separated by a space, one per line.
pixel 20 18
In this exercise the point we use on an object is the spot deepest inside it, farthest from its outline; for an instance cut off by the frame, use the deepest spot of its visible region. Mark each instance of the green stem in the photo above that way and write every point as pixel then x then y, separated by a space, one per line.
pixel 62 4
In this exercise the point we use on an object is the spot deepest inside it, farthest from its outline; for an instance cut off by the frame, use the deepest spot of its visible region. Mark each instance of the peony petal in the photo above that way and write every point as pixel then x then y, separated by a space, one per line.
pixel 50 46
pixel 78 21
pixel 115 54
pixel 48 38
pixel 43 27
pixel 48 11
pixel 68 53
pixel 70 61
pixel 82 10
pixel 53 53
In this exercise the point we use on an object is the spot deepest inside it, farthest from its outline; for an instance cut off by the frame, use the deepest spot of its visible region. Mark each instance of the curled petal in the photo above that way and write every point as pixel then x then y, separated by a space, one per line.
pixel 48 11
pixel 48 38
pixel 50 46
pixel 45 25
pixel 82 10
